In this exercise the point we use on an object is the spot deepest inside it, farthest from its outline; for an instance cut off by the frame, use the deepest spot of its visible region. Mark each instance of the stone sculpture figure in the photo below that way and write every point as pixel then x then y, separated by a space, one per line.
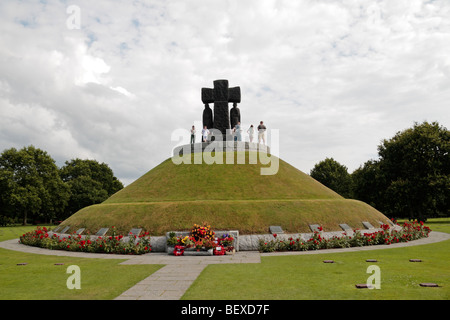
pixel 208 119
pixel 221 95
pixel 235 115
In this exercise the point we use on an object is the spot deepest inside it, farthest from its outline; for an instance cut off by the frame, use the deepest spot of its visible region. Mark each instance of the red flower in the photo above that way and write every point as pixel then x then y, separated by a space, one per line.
pixel 274 235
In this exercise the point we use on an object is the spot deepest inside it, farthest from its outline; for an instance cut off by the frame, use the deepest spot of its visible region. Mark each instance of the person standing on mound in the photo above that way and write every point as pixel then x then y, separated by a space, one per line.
pixel 251 132
pixel 193 135
pixel 261 131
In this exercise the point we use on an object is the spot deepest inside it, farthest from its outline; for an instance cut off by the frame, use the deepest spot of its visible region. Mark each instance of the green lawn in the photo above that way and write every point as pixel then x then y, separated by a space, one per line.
pixel 303 277
pixel 299 277
pixel 42 279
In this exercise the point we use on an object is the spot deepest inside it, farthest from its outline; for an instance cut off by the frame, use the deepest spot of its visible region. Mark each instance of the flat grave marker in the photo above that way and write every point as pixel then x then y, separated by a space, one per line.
pixel 428 284
pixel 345 227
pixel 314 227
pixel 135 232
pixel 65 229
pixel 276 229
pixel 367 225
pixel 102 232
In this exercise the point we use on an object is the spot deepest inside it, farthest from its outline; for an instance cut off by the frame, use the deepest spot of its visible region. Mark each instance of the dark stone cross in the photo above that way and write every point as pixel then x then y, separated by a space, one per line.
pixel 221 95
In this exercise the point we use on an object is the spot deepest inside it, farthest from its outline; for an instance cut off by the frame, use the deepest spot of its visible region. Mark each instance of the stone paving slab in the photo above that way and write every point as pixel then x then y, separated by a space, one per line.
pixel 168 283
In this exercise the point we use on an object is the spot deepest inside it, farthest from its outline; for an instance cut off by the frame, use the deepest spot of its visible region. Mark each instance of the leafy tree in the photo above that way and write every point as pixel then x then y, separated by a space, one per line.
pixel 416 163
pixel 30 184
pixel 89 181
pixel 334 175
pixel 368 184
pixel 411 179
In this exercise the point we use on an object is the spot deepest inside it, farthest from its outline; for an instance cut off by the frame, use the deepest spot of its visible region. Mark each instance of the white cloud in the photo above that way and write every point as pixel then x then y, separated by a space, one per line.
pixel 335 77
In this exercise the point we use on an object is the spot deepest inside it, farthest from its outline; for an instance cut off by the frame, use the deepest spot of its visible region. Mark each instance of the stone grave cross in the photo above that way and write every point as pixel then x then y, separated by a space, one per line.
pixel 221 95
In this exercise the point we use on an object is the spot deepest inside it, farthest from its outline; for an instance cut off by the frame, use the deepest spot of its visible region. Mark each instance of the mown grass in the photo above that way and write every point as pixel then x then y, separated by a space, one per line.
pixel 41 279
pixel 192 182
pixel 173 197
pixel 247 216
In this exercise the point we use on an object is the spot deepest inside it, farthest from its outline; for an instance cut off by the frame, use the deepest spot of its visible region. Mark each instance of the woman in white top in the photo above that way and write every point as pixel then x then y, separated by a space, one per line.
pixel 205 133
pixel 250 132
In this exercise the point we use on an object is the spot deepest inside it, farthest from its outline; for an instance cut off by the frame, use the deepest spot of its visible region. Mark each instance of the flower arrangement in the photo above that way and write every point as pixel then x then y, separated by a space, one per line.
pixel 202 232
pixel 226 240
pixel 172 239
pixel 409 231
pixel 108 244
pixel 178 250
pixel 200 238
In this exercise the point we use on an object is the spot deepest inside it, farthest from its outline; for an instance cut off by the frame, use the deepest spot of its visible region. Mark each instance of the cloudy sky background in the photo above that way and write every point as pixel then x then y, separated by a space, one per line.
pixel 335 77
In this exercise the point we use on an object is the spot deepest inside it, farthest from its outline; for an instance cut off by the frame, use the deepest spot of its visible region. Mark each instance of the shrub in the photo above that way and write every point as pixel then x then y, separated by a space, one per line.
pixel 408 232
pixel 108 244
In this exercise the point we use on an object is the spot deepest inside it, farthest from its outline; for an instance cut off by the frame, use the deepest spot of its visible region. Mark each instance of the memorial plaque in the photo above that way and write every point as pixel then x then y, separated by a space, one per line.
pixel 80 231
pixel 314 227
pixel 276 229
pixel 65 229
pixel 56 229
pixel 102 232
pixel 367 225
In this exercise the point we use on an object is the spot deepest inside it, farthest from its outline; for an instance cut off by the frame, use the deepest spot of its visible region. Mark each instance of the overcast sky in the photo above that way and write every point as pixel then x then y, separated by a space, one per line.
pixel 334 77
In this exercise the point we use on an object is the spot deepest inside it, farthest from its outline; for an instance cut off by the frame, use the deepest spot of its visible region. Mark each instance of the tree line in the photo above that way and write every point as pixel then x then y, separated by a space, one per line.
pixel 34 189
pixel 410 179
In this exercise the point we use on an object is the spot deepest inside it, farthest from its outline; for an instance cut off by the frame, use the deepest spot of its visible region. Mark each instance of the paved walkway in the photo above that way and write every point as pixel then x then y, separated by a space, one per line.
pixel 171 281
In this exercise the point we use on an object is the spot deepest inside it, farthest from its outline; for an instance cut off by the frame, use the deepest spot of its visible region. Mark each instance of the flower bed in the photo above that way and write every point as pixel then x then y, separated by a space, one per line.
pixel 408 232
pixel 40 237
pixel 200 239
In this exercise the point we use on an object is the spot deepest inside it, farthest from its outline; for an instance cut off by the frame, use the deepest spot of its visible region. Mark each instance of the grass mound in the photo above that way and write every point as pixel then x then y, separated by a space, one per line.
pixel 227 197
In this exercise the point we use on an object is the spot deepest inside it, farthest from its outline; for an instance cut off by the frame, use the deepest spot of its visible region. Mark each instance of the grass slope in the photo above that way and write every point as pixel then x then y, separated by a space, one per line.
pixel 228 197
pixel 171 182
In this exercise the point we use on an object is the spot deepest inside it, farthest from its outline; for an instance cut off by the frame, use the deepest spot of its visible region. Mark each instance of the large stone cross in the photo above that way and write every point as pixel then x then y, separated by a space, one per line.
pixel 221 95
